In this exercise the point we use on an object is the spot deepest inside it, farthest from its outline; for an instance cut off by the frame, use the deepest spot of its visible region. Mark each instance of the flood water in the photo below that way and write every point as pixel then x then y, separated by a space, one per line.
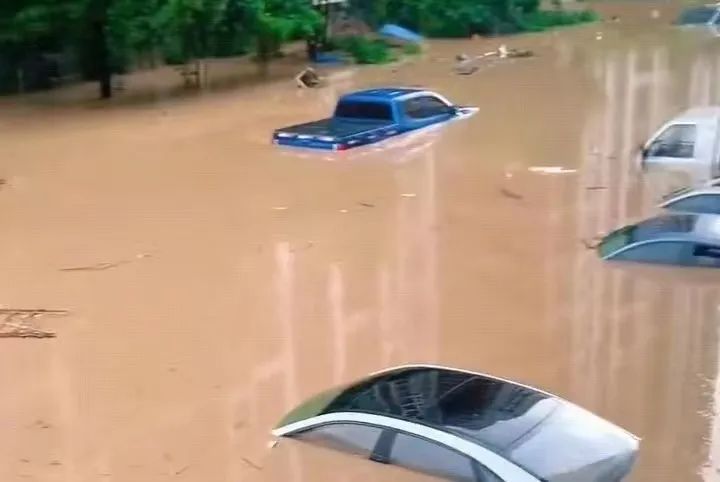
pixel 222 280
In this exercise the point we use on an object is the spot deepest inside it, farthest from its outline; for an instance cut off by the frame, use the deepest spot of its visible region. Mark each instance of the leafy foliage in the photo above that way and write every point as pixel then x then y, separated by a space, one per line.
pixel 462 18
pixel 106 36
pixel 544 19
pixel 367 51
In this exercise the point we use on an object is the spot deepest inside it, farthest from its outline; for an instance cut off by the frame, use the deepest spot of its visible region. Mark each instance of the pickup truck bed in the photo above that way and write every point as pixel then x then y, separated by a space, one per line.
pixel 336 128
pixel 330 133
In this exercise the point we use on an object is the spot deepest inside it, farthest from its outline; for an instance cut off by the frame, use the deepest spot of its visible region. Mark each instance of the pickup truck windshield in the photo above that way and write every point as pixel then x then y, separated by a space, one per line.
pixel 354 109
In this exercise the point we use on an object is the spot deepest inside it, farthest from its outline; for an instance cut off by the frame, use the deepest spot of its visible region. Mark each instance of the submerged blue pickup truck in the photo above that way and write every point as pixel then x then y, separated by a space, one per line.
pixel 370 116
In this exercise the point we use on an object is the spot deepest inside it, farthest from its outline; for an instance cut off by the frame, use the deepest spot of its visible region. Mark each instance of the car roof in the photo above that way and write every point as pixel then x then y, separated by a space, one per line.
pixel 690 191
pixel 698 115
pixel 383 93
pixel 496 400
pixel 446 399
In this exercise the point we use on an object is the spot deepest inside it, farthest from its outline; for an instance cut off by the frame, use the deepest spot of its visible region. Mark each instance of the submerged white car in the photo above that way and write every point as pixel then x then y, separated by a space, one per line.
pixel 700 200
pixel 688 144
pixel 464 426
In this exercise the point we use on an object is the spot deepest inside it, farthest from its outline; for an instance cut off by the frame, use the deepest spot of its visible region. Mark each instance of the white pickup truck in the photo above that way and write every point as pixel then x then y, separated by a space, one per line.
pixel 688 144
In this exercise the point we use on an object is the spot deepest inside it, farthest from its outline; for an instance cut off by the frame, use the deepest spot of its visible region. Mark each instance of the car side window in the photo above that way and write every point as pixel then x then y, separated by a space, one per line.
pixel 664 252
pixel 702 203
pixel 353 438
pixel 424 107
pixel 675 141
pixel 420 455
pixel 706 255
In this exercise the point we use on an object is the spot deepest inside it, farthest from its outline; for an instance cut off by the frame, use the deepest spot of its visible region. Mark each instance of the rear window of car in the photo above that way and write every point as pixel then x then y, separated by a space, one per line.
pixel 696 15
pixel 354 109
pixel 573 444
pixel 646 230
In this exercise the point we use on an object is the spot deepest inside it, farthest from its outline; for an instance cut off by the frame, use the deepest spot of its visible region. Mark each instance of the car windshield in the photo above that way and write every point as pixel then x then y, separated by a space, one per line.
pixel 574 445
pixel 649 229
pixel 353 109
pixel 697 15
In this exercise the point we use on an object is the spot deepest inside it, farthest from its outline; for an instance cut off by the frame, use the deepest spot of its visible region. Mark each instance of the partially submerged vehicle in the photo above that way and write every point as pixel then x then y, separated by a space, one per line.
pixel 371 116
pixel 700 200
pixel 703 15
pixel 674 239
pixel 465 426
pixel 688 143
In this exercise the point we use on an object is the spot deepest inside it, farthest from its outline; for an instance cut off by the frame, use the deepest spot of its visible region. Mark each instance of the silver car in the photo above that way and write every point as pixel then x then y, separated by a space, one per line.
pixel 675 239
pixel 465 426
pixel 702 200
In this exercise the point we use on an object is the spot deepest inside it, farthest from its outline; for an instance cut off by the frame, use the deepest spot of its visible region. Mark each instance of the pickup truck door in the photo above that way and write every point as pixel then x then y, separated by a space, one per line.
pixel 683 147
pixel 424 110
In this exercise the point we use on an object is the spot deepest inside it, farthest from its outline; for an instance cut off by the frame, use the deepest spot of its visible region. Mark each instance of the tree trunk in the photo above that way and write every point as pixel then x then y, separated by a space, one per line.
pixel 103 60
pixel 98 18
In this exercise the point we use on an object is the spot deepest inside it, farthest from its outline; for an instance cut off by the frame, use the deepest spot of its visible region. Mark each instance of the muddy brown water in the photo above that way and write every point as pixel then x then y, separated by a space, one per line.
pixel 225 280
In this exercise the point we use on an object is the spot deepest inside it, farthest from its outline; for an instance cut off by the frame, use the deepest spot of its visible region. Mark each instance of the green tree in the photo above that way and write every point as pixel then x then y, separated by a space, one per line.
pixel 276 21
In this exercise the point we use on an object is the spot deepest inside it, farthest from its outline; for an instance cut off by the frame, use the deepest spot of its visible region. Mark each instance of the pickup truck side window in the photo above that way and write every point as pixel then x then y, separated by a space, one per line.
pixel 675 141
pixel 702 203
pixel 424 107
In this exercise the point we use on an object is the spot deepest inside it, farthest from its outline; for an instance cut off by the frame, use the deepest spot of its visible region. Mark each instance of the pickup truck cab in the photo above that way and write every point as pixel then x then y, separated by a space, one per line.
pixel 687 144
pixel 370 116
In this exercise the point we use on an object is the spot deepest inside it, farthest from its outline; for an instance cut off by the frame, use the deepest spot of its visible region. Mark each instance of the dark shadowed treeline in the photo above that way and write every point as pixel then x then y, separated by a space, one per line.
pixel 44 42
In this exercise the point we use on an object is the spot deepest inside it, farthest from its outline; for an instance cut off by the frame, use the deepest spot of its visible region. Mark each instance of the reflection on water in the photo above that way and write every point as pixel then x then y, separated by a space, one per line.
pixel 644 341
pixel 275 274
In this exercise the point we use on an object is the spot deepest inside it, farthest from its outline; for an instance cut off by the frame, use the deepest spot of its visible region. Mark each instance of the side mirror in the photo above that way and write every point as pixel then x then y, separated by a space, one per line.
pixel 643 151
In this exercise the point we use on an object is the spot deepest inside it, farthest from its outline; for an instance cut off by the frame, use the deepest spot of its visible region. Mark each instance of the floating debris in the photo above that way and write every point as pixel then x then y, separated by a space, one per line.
pixel 588 244
pixel 18 323
pixel 93 267
pixel 250 463
pixel 309 79
pixel 408 194
pixel 551 170
pixel 596 188
pixel 104 266
pixel 280 208
pixel 510 194
pixel 367 205
pixel 40 423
